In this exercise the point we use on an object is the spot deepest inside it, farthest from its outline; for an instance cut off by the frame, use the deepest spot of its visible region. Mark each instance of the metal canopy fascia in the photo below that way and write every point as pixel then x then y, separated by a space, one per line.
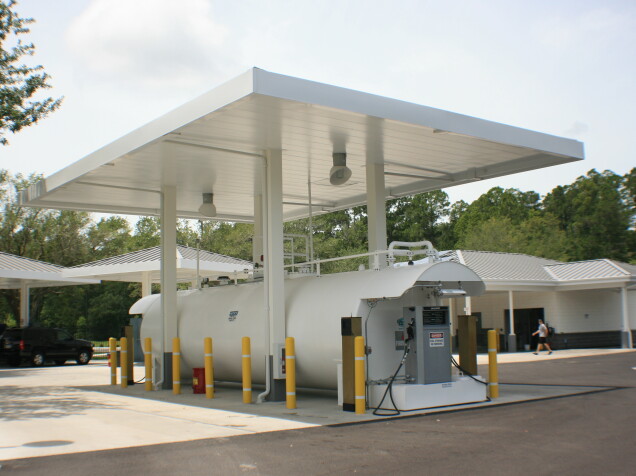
pixel 135 272
pixel 24 274
pixel 16 272
pixel 216 142
pixel 15 279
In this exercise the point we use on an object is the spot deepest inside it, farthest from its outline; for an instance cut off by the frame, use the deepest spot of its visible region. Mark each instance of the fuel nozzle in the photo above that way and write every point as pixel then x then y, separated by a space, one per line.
pixel 410 330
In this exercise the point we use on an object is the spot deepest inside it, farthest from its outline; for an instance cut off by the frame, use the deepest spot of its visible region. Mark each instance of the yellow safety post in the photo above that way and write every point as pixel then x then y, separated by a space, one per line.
pixel 290 372
pixel 148 362
pixel 176 366
pixel 358 346
pixel 124 362
pixel 493 376
pixel 112 347
pixel 209 368
pixel 247 371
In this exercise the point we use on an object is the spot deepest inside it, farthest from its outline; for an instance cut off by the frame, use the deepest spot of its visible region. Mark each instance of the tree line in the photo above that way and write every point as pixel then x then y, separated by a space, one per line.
pixel 594 217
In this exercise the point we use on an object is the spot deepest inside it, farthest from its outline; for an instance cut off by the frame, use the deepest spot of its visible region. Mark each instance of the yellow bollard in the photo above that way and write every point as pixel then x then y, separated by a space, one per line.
pixel 247 371
pixel 493 376
pixel 359 377
pixel 176 366
pixel 148 362
pixel 124 362
pixel 290 370
pixel 112 347
pixel 209 367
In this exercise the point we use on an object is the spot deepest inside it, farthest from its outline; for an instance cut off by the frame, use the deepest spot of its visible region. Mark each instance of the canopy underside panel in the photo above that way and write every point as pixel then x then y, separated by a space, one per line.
pixel 217 143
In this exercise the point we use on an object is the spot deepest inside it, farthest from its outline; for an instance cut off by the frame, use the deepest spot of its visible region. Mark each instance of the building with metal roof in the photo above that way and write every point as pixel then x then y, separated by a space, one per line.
pixel 589 303
pixel 17 272
pixel 144 266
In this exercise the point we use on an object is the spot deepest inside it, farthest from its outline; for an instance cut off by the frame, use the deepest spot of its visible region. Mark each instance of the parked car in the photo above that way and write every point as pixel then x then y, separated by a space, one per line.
pixel 37 345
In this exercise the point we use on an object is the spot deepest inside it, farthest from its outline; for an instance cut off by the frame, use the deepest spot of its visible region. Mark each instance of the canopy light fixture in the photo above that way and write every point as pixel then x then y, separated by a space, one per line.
pixel 207 208
pixel 451 292
pixel 339 173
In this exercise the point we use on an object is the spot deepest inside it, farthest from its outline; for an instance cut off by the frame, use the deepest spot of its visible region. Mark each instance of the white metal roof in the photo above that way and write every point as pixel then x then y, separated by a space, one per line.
pixel 506 266
pixel 592 269
pixel 16 270
pixel 132 266
pixel 215 143
pixel 501 271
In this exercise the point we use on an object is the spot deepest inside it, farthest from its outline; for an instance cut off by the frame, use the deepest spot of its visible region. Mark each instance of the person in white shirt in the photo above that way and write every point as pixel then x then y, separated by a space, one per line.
pixel 543 338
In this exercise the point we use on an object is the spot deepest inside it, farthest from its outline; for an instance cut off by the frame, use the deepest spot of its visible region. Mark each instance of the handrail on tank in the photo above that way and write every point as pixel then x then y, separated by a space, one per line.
pixel 391 254
pixel 429 251
pixel 375 254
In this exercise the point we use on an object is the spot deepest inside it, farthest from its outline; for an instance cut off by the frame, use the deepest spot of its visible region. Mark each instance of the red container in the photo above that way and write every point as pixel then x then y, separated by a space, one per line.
pixel 198 380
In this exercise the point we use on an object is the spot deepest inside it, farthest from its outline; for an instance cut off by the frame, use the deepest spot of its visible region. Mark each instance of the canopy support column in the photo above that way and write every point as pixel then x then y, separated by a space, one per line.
pixel 376 212
pixel 146 284
pixel 168 277
pixel 24 305
pixel 257 239
pixel 274 272
pixel 626 334
pixel 512 338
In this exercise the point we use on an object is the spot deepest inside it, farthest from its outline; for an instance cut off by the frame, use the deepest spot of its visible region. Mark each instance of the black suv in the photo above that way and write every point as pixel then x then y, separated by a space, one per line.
pixel 39 344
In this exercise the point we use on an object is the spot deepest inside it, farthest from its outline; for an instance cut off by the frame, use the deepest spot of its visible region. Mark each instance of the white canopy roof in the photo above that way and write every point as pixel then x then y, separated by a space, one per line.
pixel 133 266
pixel 215 144
pixel 16 271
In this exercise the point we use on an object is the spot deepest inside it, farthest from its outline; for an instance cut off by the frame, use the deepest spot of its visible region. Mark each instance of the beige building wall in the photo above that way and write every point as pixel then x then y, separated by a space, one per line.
pixel 566 311
pixel 590 310
pixel 493 305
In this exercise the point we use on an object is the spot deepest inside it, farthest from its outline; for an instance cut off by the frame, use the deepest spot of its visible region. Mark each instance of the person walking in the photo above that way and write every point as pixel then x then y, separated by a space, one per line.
pixel 543 338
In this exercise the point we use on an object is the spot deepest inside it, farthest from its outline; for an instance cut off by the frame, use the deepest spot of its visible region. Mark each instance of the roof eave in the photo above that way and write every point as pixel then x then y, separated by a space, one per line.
pixel 147 134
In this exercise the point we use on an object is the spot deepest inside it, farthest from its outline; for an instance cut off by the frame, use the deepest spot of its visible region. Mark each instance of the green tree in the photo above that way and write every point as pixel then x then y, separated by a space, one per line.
pixel 55 237
pixel 147 233
pixel 19 83
pixel 540 235
pixel 447 229
pixel 629 196
pixel 232 239
pixel 493 234
pixel 594 215
pixel 418 217
pixel 512 204
pixel 109 237
pixel 340 233
pixel 629 190
pixel 108 309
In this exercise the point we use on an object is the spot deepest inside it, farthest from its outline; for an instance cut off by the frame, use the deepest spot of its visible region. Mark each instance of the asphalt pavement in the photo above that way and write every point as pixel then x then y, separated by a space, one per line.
pixel 590 431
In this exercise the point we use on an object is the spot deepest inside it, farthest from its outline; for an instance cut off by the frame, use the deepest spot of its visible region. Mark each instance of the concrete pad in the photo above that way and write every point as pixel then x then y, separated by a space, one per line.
pixel 40 417
pixel 68 409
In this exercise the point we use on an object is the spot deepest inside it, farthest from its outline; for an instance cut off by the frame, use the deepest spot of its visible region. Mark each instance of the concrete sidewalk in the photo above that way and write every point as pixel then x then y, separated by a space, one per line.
pixel 512 357
pixel 68 409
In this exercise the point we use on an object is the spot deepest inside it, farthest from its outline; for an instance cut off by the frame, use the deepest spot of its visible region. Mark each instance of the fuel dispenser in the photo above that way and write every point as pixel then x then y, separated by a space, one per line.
pixel 424 375
pixel 427 333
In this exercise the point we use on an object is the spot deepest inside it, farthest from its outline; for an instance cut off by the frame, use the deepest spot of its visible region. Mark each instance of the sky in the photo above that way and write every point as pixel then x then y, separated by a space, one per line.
pixel 566 68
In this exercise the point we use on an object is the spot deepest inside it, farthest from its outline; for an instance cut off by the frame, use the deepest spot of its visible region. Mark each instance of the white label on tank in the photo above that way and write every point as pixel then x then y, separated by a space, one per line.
pixel 436 339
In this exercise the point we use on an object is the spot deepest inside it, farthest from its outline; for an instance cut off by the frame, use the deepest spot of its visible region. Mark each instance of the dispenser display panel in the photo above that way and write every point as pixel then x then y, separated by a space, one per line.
pixel 435 316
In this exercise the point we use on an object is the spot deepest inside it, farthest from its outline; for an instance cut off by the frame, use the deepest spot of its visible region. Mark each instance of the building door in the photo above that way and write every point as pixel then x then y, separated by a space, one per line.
pixel 526 322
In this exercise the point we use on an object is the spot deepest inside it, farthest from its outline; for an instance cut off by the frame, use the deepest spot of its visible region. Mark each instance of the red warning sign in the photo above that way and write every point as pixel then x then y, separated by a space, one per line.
pixel 436 339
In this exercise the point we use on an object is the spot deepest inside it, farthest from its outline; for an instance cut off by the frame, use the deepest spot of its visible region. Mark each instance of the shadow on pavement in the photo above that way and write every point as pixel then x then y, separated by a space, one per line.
pixel 27 403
